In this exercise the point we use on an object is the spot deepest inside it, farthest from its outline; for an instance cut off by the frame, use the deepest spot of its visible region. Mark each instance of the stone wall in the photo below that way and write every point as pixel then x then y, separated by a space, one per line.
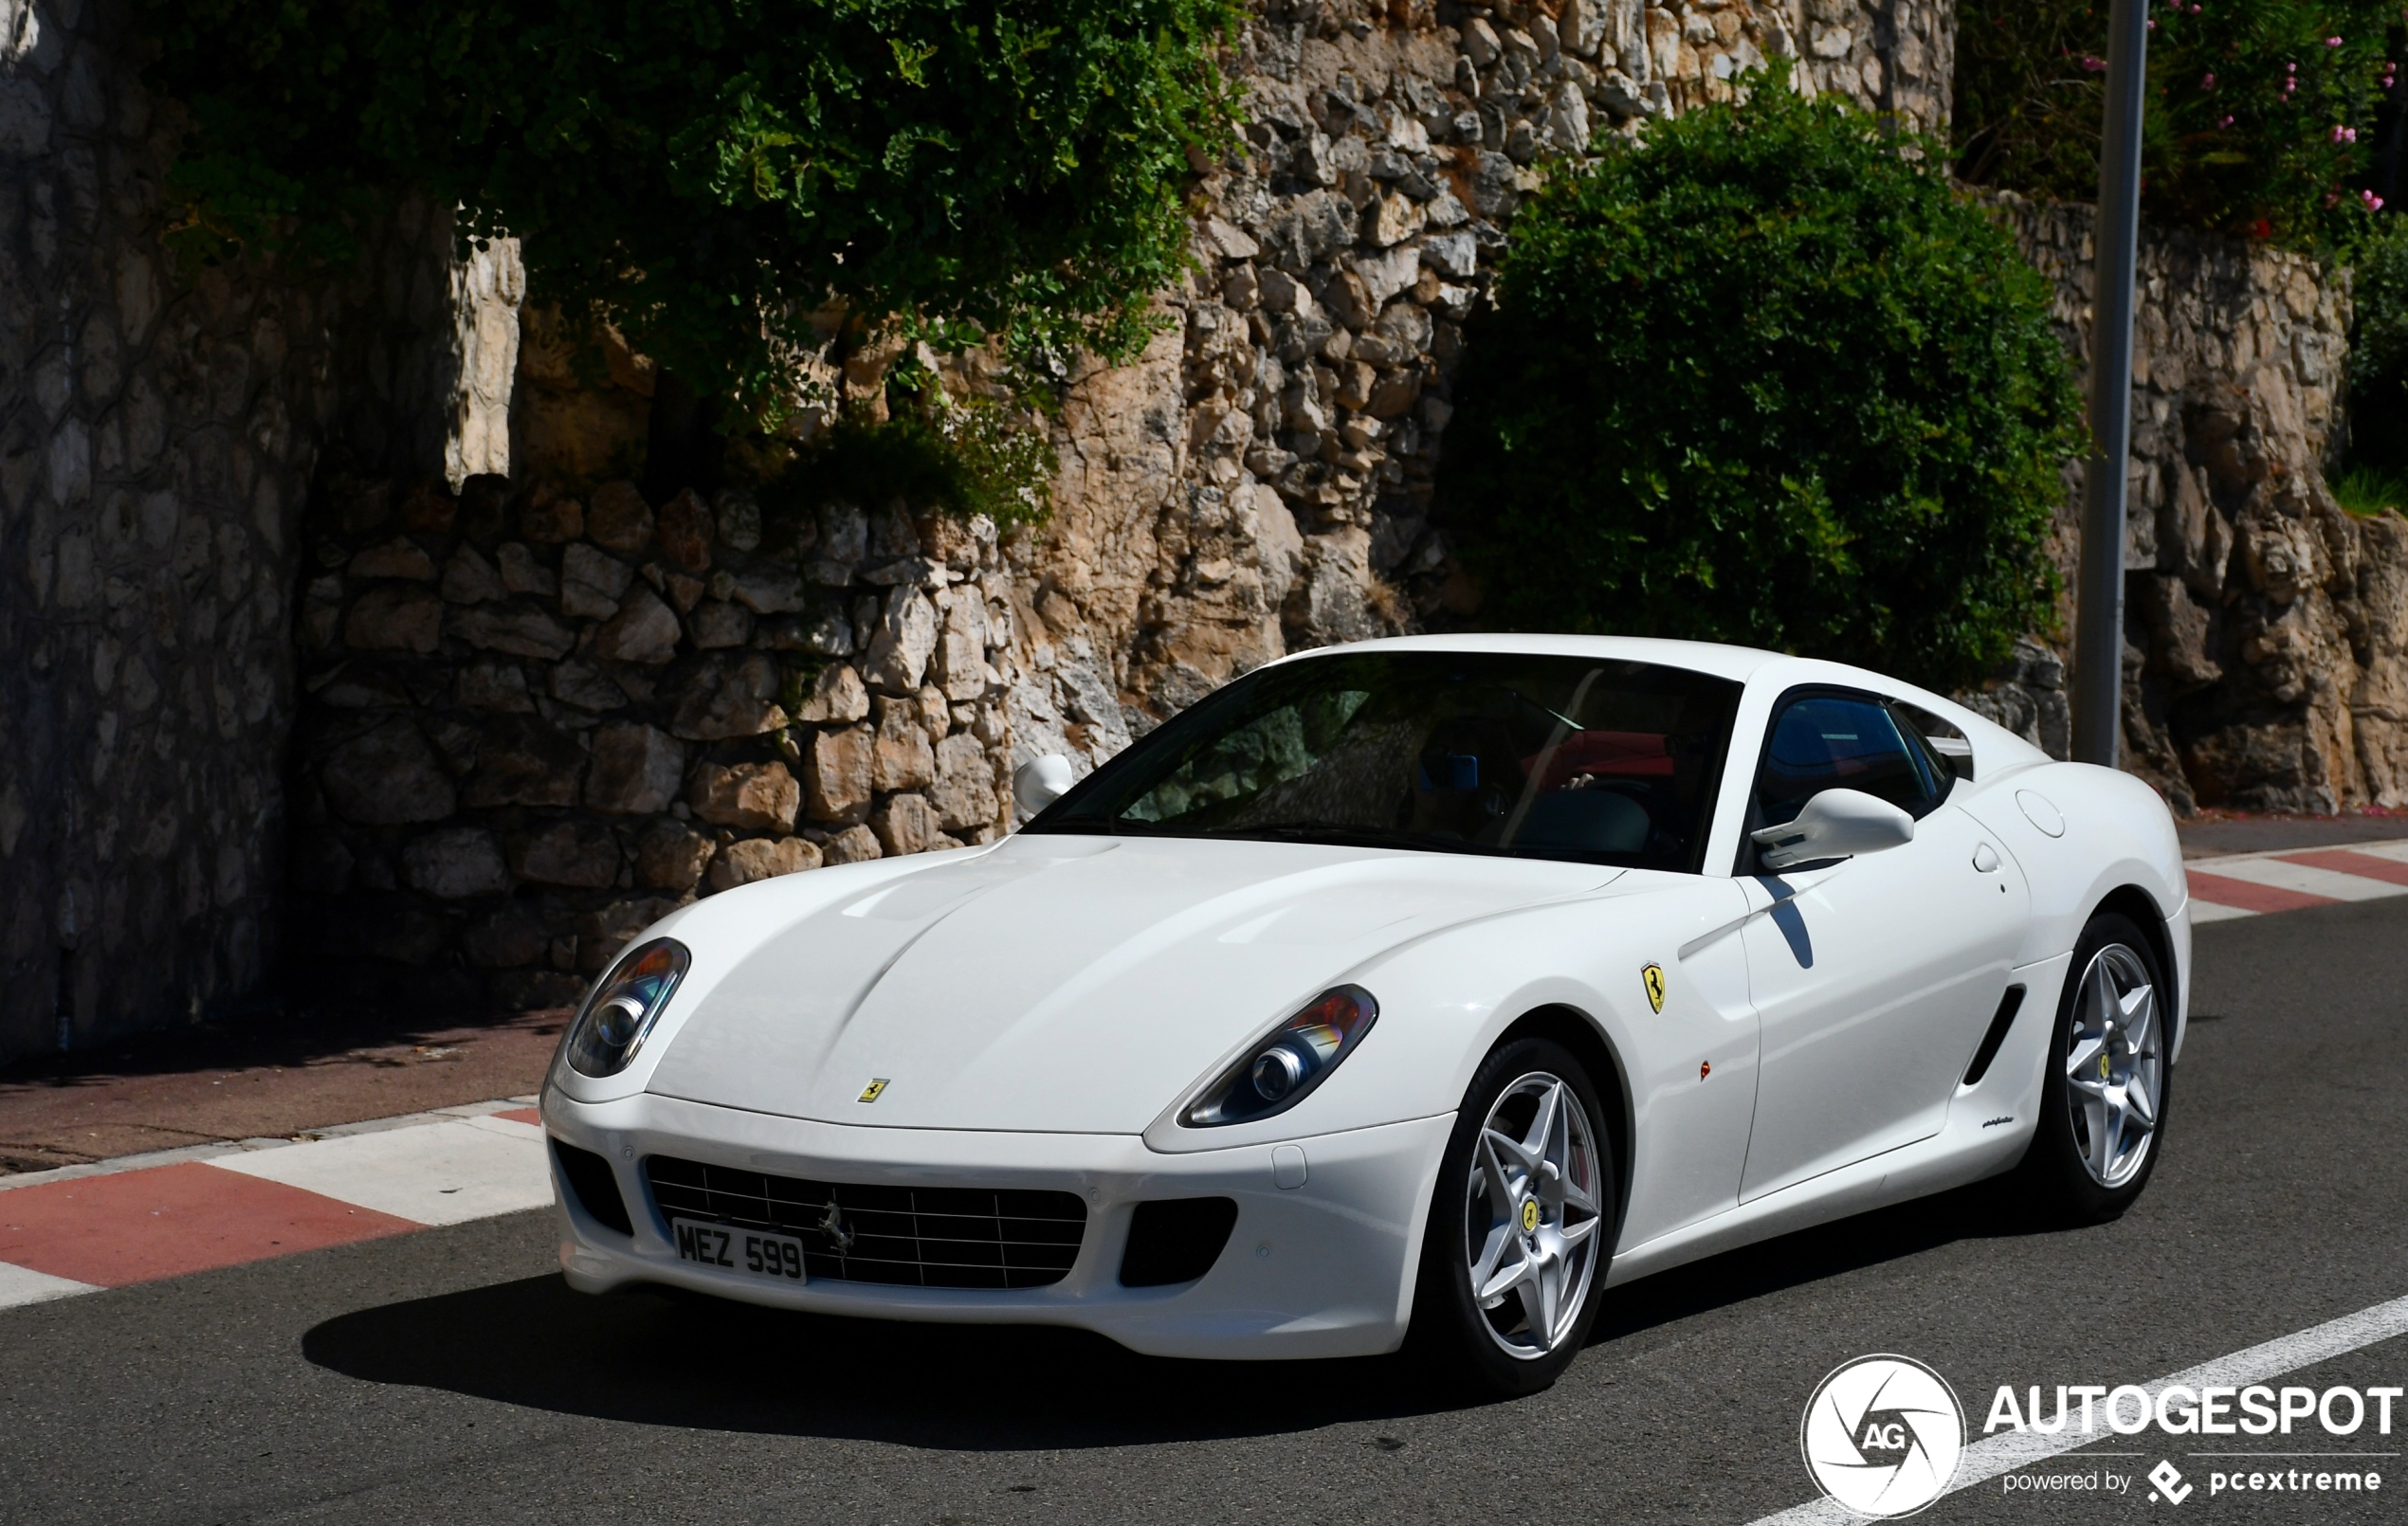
pixel 509 727
pixel 154 450
pixel 2264 627
pixel 160 429
pixel 534 723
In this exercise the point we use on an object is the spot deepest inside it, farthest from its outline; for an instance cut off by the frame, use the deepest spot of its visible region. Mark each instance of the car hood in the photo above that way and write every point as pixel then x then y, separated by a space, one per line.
pixel 1063 984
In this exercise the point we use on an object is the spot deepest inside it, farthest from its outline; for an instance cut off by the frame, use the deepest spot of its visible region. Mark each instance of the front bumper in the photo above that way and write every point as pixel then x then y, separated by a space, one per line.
pixel 1321 1269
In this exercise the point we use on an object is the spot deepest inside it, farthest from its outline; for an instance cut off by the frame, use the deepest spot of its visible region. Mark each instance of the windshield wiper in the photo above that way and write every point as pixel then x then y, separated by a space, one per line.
pixel 1351 834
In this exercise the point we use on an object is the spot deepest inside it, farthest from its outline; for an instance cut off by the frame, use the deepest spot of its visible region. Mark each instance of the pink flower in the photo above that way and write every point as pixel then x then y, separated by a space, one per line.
pixel 2207 83
pixel 2345 134
pixel 2152 23
pixel 2333 42
pixel 2226 122
pixel 2374 203
pixel 2093 65
pixel 2331 196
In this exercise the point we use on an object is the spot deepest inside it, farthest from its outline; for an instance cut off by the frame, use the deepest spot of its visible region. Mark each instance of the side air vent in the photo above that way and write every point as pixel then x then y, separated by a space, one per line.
pixel 594 1186
pixel 2009 1005
pixel 1177 1240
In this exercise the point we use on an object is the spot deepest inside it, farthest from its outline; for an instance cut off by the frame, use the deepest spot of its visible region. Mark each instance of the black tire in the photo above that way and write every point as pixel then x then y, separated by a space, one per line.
pixel 2057 1180
pixel 1451 1333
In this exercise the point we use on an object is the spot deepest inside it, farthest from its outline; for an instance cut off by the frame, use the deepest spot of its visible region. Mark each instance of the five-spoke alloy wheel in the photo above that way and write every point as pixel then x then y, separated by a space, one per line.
pixel 1522 1224
pixel 2104 1093
pixel 2114 1071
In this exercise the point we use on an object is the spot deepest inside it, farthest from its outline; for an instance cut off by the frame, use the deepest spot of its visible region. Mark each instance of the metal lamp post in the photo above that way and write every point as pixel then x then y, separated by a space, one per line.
pixel 2098 631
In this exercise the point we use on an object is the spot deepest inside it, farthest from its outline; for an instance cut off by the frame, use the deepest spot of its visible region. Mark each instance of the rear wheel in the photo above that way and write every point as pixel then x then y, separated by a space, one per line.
pixel 1513 1258
pixel 2103 1096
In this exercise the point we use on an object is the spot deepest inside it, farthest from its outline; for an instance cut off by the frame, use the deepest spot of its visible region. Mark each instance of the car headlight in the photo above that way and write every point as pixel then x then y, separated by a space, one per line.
pixel 615 1020
pixel 1298 1055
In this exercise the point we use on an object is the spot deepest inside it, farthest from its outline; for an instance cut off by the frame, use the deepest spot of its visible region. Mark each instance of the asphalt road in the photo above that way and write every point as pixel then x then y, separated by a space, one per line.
pixel 449 1376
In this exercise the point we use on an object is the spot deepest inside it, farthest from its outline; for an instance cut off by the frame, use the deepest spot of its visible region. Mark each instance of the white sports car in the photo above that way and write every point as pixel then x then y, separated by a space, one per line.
pixel 1420 988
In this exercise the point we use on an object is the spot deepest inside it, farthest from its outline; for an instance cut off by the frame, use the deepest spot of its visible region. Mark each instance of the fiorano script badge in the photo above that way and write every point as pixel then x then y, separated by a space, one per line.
pixel 1652 978
pixel 870 1092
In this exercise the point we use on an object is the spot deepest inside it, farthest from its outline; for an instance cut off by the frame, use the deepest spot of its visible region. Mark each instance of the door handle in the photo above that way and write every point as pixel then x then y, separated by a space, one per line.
pixel 1984 860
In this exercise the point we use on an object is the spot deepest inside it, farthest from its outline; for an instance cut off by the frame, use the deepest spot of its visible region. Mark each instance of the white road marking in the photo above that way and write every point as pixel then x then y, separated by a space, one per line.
pixel 23 1284
pixel 212 1153
pixel 2208 911
pixel 2305 877
pixel 2381 850
pixel 2004 1453
pixel 444 1172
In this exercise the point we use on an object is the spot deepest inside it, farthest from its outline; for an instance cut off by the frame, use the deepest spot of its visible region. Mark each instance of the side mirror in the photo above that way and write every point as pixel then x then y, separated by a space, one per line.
pixel 1040 782
pixel 1836 824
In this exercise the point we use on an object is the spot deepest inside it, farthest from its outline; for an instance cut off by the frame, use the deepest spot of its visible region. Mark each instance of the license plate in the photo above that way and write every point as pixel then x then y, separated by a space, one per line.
pixel 752 1251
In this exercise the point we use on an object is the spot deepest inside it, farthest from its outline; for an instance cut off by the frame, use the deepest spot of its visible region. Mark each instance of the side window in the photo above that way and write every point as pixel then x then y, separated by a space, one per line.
pixel 1951 750
pixel 1828 741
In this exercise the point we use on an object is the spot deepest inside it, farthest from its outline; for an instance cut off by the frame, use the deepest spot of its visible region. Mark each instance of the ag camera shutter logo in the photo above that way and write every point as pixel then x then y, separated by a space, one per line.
pixel 1881 1436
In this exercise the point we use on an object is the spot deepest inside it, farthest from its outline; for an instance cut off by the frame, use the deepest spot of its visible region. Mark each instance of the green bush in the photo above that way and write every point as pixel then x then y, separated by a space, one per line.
pixel 2378 361
pixel 1763 378
pixel 965 457
pixel 2260 113
pixel 706 174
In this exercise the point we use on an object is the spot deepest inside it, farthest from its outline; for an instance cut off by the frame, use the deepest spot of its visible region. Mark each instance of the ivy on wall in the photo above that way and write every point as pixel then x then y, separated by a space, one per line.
pixel 1765 378
pixel 708 174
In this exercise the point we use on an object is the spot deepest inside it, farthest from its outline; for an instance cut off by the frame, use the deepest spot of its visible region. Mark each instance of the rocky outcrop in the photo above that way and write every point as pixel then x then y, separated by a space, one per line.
pixel 2263 626
pixel 1259 482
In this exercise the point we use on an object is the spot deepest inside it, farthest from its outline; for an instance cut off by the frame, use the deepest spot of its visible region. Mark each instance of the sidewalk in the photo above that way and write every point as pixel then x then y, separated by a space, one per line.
pixel 192 1148
pixel 2215 834
pixel 273 1074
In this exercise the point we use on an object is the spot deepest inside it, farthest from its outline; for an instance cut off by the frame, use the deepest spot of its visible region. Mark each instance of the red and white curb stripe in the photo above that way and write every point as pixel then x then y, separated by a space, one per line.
pixel 82 1229
pixel 2250 884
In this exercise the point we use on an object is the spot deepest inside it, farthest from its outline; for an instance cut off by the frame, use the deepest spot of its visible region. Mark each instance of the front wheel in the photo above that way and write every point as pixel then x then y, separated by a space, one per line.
pixel 1519 1227
pixel 2103 1096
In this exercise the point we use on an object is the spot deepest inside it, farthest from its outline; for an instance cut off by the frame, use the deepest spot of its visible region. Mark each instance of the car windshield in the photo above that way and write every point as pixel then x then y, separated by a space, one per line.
pixel 1533 757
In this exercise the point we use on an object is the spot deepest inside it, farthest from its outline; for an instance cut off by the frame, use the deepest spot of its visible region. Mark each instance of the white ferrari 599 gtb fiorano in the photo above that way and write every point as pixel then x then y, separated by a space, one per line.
pixel 1420 988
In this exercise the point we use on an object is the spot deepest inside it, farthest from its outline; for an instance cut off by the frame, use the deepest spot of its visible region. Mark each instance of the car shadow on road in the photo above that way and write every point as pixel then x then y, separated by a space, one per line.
pixel 1985 1211
pixel 662 1358
pixel 656 1357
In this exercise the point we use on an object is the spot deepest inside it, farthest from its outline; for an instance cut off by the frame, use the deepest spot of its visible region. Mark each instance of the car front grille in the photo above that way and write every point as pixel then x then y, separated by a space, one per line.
pixel 917 1236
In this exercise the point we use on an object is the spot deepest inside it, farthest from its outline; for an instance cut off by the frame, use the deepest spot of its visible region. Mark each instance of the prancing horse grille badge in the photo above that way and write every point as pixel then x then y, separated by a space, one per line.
pixel 871 1092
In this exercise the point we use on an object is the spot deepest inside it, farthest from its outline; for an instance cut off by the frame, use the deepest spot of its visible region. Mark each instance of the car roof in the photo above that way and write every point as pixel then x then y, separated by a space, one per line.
pixel 1736 662
pixel 1995 746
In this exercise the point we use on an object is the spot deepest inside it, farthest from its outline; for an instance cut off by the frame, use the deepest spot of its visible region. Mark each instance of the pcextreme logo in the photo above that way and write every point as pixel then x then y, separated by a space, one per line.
pixel 1882 1435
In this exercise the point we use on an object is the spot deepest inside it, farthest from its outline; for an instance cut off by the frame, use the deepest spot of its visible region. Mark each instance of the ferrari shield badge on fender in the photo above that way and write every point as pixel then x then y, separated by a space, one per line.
pixel 869 1093
pixel 1652 978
